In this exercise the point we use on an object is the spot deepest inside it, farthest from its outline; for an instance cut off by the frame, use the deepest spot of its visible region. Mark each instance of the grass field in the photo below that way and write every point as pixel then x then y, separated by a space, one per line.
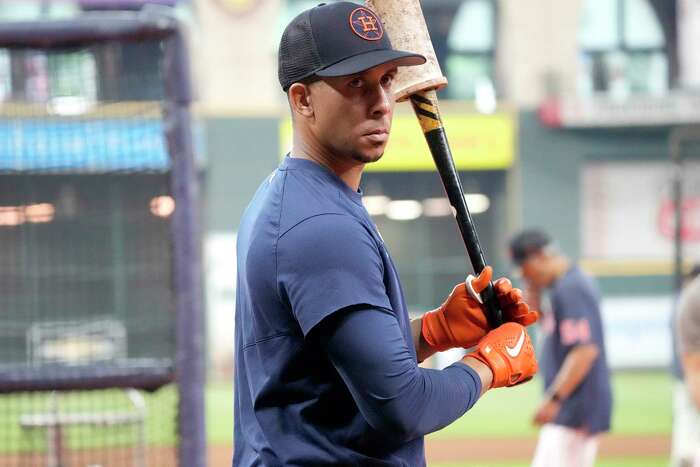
pixel 642 407
pixel 160 422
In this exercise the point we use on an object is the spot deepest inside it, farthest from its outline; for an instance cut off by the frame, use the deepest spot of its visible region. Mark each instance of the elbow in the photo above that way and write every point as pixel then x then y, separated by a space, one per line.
pixel 403 427
pixel 692 381
pixel 691 368
pixel 593 351
pixel 695 396
pixel 587 352
pixel 400 425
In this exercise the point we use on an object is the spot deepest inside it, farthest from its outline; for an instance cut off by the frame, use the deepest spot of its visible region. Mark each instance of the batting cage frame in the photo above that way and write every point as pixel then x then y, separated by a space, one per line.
pixel 188 368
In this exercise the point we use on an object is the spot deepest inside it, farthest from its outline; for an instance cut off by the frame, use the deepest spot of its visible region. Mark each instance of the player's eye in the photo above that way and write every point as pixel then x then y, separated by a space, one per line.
pixel 356 83
pixel 387 80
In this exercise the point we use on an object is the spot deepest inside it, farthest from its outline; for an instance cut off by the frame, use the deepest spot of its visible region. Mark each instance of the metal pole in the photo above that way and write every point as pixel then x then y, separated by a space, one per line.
pixel 678 225
pixel 188 262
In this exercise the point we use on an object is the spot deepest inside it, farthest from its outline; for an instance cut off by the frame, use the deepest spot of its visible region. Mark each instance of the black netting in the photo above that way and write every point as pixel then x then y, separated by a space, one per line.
pixel 298 57
pixel 86 258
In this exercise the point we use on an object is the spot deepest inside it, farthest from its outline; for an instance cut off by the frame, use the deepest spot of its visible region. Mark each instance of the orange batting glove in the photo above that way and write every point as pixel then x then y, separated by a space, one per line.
pixel 508 351
pixel 461 320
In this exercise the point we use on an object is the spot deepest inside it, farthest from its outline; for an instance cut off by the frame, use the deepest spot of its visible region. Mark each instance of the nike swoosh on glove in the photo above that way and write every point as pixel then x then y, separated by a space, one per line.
pixel 508 351
pixel 461 320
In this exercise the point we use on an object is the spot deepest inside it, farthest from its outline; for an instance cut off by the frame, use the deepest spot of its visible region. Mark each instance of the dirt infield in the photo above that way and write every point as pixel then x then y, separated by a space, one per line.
pixel 503 449
pixel 507 449
pixel 437 451
pixel 104 457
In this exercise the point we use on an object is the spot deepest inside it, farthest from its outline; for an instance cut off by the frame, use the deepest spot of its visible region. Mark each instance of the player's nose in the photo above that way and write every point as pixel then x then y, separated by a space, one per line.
pixel 381 103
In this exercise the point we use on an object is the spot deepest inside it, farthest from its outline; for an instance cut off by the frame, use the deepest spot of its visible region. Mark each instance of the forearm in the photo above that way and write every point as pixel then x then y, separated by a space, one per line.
pixel 394 395
pixel 484 372
pixel 423 349
pixel 431 400
pixel 576 366
pixel 691 369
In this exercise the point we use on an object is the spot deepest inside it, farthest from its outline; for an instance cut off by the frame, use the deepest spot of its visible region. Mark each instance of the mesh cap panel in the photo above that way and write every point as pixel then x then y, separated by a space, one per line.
pixel 298 56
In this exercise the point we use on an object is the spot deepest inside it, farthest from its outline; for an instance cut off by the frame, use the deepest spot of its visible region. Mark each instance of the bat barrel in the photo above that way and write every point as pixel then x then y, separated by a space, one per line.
pixel 403 21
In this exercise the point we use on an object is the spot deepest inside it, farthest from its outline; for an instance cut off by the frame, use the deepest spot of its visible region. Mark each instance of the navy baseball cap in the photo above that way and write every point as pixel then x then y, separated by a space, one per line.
pixel 336 39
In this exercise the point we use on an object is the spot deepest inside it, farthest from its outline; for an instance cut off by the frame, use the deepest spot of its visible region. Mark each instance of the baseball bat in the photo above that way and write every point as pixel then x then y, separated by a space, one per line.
pixel 404 22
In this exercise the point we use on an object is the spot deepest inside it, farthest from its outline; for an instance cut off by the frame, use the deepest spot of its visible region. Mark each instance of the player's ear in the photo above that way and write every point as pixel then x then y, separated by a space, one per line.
pixel 300 99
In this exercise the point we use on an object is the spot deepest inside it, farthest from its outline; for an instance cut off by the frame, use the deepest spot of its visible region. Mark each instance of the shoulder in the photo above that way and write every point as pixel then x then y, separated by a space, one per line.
pixel 690 301
pixel 327 263
pixel 689 317
pixel 315 234
pixel 576 293
pixel 304 197
pixel 576 282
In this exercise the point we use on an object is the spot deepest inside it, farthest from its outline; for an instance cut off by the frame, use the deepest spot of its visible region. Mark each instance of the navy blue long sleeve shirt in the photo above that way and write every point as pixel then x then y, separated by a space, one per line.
pixel 326 370
pixel 392 392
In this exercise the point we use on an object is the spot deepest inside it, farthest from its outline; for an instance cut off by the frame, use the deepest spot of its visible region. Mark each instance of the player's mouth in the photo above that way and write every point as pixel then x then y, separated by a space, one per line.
pixel 380 135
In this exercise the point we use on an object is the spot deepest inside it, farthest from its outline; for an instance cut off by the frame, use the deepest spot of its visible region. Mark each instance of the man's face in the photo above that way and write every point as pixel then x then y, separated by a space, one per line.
pixel 352 114
pixel 536 271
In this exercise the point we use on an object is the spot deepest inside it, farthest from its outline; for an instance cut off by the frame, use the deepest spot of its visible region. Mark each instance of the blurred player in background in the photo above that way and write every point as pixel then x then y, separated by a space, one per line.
pixel 577 401
pixel 685 450
pixel 326 356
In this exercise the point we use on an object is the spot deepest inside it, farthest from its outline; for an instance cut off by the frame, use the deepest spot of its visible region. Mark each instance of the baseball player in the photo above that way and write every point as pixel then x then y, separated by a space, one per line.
pixel 326 357
pixel 577 401
pixel 685 450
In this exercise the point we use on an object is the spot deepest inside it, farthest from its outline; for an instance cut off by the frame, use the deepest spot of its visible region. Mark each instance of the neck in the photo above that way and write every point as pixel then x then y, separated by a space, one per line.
pixel 560 264
pixel 348 170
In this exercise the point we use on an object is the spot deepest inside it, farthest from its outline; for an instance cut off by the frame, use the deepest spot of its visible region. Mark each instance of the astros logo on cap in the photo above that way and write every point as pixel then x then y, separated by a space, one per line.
pixel 366 24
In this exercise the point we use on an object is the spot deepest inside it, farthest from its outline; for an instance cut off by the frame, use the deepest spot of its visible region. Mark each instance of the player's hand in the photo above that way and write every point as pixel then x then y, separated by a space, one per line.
pixel 461 320
pixel 546 412
pixel 508 352
pixel 513 304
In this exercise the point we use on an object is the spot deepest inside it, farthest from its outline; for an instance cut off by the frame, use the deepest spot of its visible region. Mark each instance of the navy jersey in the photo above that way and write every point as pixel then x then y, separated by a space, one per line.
pixel 306 249
pixel 575 319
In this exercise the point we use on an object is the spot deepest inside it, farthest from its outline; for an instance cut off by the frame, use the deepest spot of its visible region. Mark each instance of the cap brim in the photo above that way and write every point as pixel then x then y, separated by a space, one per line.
pixel 367 60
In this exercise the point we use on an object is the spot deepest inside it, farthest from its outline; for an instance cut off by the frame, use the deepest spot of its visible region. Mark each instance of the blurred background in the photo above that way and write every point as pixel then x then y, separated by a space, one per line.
pixel 560 115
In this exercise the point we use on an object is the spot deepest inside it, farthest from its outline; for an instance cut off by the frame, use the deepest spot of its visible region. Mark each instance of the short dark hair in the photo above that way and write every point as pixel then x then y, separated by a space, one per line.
pixel 527 243
pixel 309 79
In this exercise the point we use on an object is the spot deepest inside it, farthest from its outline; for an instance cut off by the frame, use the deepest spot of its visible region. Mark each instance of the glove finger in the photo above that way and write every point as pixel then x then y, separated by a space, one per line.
pixel 530 318
pixel 480 283
pixel 502 286
pixel 515 311
pixel 525 316
pixel 514 296
pixel 510 298
pixel 517 294
pixel 520 313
